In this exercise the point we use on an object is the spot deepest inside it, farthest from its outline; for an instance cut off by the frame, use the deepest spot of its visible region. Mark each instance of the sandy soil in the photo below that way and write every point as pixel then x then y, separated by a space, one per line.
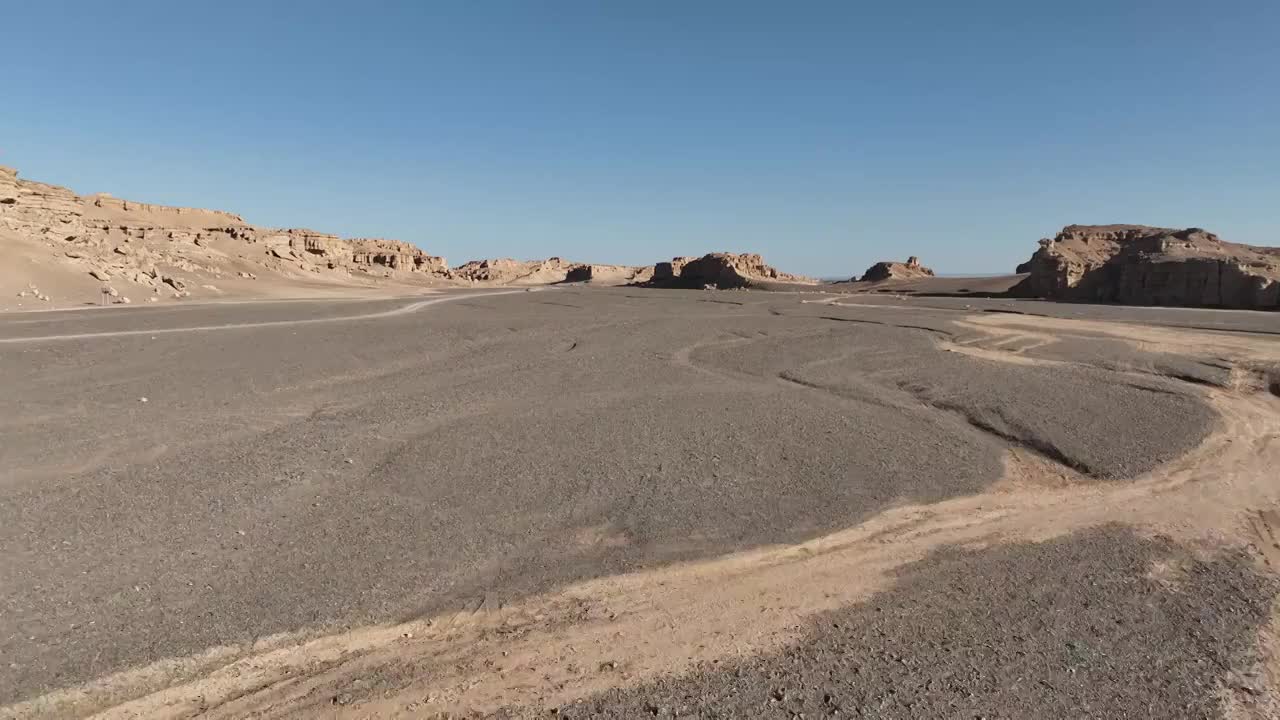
pixel 622 502
pixel 30 270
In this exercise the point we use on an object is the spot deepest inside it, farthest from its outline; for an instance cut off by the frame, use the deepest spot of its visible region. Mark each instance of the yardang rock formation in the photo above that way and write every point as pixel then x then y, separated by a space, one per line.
pixel 889 270
pixel 1140 265
pixel 722 270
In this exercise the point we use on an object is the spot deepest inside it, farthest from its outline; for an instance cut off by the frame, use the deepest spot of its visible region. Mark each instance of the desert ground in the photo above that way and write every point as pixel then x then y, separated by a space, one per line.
pixel 630 502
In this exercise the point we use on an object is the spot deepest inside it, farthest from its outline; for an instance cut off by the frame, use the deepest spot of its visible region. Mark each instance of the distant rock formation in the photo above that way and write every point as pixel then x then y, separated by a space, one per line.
pixel 722 270
pixel 1140 265
pixel 889 270
pixel 505 271
pixel 609 274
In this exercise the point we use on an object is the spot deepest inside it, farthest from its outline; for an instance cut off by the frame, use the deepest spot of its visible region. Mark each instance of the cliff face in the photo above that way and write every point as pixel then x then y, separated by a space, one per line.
pixel 888 270
pixel 1140 265
pixel 171 250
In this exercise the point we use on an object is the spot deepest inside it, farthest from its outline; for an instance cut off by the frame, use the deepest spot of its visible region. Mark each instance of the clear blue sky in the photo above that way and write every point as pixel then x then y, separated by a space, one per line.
pixel 825 135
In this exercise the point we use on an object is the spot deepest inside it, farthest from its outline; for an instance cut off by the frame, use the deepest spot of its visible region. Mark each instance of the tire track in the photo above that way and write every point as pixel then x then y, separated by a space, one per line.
pixel 404 310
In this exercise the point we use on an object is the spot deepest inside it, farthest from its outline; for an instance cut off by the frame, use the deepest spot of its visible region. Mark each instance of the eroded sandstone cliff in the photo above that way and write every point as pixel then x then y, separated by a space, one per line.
pixel 506 271
pixel 155 250
pixel 721 270
pixel 1141 265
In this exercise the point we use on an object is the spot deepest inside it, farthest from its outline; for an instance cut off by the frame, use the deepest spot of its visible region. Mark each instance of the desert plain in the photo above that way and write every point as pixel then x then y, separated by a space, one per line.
pixel 581 501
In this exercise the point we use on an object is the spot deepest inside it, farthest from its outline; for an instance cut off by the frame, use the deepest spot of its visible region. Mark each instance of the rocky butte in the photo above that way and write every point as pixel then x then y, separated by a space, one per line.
pixel 722 270
pixel 888 270
pixel 1141 265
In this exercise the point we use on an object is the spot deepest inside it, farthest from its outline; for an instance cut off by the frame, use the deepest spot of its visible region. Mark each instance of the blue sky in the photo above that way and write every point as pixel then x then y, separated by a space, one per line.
pixel 825 135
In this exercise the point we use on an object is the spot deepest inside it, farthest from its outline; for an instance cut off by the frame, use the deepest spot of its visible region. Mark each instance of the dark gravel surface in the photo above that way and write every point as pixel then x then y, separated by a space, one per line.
pixel 314 477
pixel 1077 627
pixel 1107 435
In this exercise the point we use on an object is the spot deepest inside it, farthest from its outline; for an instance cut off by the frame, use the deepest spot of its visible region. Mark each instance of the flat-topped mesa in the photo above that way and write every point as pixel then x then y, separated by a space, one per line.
pixel 723 270
pixel 891 270
pixel 1142 265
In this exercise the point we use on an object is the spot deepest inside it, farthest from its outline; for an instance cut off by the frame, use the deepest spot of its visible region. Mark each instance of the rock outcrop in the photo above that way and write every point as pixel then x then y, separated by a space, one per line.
pixel 609 274
pixel 721 270
pixel 669 271
pixel 1141 265
pixel 889 270
pixel 81 242
pixel 98 236
pixel 394 256
pixel 505 271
